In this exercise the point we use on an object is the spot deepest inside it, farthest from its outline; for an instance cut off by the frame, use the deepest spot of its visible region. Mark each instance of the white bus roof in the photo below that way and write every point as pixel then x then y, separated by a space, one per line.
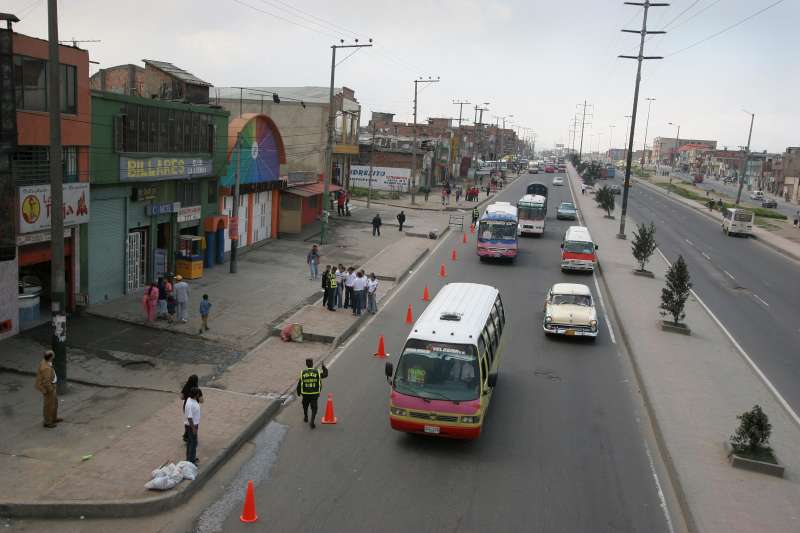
pixel 578 233
pixel 532 199
pixel 457 314
pixel 499 208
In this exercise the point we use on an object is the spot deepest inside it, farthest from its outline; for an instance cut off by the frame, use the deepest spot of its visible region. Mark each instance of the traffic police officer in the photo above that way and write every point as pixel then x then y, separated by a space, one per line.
pixel 309 386
pixel 330 290
pixel 475 215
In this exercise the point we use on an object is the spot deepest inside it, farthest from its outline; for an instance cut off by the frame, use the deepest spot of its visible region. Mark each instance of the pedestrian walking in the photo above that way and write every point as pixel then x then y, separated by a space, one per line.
pixel 313 262
pixel 458 193
pixel 309 387
pixel 583 188
pixel 341 274
pixel 359 288
pixel 182 298
pixel 150 302
pixel 325 285
pixel 447 192
pixel 340 203
pixel 401 219
pixel 348 287
pixel 191 383
pixel 161 308
pixel 427 193
pixel 46 381
pixel 205 308
pixel 330 290
pixel 376 224
pixel 192 413
pixel 372 293
pixel 797 219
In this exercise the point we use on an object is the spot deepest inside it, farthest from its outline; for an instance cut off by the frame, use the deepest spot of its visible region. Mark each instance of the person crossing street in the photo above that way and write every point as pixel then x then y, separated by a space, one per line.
pixel 401 219
pixel 309 387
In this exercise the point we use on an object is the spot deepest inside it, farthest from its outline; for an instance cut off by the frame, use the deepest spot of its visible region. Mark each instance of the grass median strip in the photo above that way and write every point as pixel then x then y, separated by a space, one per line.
pixel 702 199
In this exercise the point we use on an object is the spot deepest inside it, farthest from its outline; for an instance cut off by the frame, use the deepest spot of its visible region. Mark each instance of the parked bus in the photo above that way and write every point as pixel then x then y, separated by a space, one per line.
pixel 532 212
pixel 497 231
pixel 538 188
pixel 448 367
pixel 578 250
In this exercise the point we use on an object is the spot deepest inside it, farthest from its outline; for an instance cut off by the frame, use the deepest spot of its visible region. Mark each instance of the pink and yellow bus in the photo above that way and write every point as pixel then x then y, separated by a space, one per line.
pixel 498 230
pixel 448 367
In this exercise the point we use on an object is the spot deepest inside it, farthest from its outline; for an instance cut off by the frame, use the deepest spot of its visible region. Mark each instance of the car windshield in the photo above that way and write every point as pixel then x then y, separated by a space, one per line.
pixel 495 229
pixel 531 213
pixel 579 247
pixel 566 207
pixel 438 371
pixel 571 299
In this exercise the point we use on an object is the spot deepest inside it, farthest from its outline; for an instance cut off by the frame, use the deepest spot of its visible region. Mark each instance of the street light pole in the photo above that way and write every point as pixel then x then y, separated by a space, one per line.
pixel 371 162
pixel 745 158
pixel 413 183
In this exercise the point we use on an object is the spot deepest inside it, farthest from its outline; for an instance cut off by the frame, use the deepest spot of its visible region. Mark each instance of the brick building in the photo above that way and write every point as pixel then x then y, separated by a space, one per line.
pixel 158 79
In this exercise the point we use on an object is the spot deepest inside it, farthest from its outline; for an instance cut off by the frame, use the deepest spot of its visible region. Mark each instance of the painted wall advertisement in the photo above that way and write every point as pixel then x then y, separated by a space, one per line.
pixel 163 168
pixel 383 178
pixel 35 206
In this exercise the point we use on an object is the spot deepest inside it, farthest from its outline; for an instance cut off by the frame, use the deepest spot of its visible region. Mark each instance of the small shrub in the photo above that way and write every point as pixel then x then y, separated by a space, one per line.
pixel 644 243
pixel 675 294
pixel 605 199
pixel 753 432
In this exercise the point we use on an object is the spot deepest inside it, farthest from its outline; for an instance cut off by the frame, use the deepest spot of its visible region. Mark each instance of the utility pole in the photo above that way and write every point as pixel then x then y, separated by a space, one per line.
pixel 674 154
pixel 412 185
pixel 58 296
pixel 610 136
pixel 745 157
pixel 646 126
pixel 371 162
pixel 533 145
pixel 478 122
pixel 326 178
pixel 503 139
pixel 643 33
pixel 234 268
pixel 583 125
pixel 460 104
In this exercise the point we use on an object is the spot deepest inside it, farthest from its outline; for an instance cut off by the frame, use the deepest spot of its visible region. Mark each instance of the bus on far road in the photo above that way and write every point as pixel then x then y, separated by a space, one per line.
pixel 532 212
pixel 497 232
pixel 447 370
pixel 537 187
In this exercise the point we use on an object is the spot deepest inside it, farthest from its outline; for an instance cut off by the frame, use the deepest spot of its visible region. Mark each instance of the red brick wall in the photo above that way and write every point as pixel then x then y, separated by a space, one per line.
pixel 117 80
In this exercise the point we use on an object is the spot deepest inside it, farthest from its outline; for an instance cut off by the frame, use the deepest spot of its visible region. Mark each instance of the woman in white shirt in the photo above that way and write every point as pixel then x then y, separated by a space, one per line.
pixel 372 289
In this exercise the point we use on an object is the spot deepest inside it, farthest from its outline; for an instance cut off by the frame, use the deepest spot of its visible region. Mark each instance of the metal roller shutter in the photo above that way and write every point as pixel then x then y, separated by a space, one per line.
pixel 107 250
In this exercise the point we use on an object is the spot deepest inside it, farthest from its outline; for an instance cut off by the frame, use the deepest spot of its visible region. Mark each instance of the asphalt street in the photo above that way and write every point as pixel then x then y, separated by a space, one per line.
pixel 562 447
pixel 752 289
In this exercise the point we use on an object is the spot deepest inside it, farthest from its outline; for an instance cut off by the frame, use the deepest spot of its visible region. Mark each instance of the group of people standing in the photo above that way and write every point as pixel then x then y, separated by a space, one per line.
pixel 349 288
pixel 166 298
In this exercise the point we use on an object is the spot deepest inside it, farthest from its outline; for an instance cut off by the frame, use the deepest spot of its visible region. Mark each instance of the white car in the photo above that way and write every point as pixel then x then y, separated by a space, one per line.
pixel 569 310
pixel 757 195
pixel 558 181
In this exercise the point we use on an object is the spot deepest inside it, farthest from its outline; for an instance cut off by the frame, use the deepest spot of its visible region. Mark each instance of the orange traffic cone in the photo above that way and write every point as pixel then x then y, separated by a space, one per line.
pixel 381 353
pixel 442 271
pixel 464 238
pixel 453 255
pixel 249 509
pixel 426 296
pixel 329 417
pixel 409 315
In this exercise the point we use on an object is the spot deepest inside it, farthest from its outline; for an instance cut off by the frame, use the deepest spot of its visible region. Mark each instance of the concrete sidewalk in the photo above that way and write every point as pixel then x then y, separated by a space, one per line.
pixel 122 416
pixel 694 387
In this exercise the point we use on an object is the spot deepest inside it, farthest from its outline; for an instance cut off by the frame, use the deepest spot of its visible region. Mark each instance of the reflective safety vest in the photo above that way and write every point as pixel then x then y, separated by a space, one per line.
pixel 310 381
pixel 332 281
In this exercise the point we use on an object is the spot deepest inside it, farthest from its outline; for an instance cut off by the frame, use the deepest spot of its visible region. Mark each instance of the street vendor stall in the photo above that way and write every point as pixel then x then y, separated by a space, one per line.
pixel 189 258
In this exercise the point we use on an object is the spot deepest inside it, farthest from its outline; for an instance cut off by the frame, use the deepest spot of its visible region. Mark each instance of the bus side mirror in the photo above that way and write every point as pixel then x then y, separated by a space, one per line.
pixel 596 246
pixel 562 245
pixel 492 380
pixel 389 371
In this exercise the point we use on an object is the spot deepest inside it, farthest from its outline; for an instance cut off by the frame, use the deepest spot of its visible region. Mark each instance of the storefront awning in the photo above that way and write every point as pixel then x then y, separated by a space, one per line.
pixel 313 189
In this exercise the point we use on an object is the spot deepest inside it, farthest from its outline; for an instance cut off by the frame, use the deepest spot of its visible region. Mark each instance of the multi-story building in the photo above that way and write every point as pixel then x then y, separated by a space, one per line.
pixel 25 174
pixel 787 176
pixel 665 148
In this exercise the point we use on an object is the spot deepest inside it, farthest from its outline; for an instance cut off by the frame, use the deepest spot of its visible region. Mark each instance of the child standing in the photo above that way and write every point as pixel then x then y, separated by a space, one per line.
pixel 205 307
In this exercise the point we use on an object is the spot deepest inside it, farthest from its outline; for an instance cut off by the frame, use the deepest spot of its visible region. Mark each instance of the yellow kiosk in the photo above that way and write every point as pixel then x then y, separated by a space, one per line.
pixel 189 259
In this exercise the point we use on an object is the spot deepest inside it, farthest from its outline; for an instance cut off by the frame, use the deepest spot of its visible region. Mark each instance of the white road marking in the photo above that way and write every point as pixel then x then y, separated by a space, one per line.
pixel 729 274
pixel 603 306
pixel 661 498
pixel 743 353
pixel 690 242
pixel 708 257
pixel 760 299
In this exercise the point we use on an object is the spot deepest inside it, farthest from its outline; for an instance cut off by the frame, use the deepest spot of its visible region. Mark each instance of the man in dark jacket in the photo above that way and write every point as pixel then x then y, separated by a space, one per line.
pixel 401 219
pixel 326 283
pixel 376 225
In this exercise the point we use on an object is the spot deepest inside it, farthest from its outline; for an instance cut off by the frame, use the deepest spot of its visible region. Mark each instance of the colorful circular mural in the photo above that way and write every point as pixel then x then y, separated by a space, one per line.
pixel 260 149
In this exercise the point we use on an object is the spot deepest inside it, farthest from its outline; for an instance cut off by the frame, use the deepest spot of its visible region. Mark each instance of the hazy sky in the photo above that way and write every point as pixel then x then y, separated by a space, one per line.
pixel 534 59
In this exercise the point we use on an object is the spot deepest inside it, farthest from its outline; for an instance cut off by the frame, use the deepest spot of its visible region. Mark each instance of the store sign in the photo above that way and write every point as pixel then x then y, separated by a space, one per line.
pixel 383 178
pixel 188 214
pixel 163 168
pixel 153 210
pixel 145 193
pixel 35 206
pixel 39 236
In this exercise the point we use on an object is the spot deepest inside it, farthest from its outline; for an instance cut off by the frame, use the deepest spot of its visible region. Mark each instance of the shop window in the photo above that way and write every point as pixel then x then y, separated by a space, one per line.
pixel 212 191
pixel 149 129
pixel 69 89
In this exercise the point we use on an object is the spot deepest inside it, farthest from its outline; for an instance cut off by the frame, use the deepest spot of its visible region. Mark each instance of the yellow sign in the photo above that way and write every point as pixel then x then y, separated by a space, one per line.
pixel 31 209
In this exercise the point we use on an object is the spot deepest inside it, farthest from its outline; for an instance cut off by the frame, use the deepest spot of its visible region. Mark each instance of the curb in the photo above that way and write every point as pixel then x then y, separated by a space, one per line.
pixel 133 508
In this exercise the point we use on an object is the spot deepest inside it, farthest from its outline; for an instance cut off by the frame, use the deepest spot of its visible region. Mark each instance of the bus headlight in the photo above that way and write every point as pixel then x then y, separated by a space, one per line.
pixel 548 319
pixel 470 419
pixel 593 324
pixel 397 411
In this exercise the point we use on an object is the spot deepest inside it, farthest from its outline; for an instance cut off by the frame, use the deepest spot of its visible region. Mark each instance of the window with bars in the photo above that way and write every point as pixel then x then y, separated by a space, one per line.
pixel 31 164
pixel 146 129
pixel 188 193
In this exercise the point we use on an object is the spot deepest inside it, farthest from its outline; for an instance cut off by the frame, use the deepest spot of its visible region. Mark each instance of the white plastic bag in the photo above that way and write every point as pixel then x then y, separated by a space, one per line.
pixel 188 470
pixel 166 477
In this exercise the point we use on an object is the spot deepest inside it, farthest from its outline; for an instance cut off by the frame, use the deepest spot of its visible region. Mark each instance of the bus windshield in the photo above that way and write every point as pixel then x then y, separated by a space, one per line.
pixel 497 230
pixel 579 247
pixel 531 213
pixel 438 371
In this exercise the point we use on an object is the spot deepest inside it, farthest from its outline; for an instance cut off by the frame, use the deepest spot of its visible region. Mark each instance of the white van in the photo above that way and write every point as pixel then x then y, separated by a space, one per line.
pixel 578 250
pixel 737 222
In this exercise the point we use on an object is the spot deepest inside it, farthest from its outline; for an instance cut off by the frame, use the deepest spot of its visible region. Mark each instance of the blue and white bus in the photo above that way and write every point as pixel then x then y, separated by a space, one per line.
pixel 497 232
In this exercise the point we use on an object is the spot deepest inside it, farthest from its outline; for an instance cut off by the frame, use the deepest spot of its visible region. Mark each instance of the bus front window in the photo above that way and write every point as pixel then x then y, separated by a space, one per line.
pixel 491 230
pixel 438 371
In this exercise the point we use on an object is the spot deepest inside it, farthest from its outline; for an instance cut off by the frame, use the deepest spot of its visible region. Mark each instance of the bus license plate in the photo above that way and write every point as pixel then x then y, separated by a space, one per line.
pixel 432 429
pixel 569 332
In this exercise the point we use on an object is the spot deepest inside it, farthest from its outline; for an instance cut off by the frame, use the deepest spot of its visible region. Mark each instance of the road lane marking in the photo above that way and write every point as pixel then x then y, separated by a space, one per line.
pixel 690 242
pixel 603 306
pixel 706 255
pixel 729 274
pixel 662 500
pixel 760 299
pixel 783 403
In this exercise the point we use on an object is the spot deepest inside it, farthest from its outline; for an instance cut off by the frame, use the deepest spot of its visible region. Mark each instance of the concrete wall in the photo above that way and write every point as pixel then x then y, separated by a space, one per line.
pixel 9 310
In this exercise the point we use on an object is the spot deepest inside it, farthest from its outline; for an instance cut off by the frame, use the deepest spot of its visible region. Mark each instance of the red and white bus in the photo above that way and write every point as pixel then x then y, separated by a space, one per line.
pixel 578 250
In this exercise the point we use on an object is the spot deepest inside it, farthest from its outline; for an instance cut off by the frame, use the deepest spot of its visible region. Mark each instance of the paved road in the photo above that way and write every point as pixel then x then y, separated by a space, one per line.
pixel 561 450
pixel 753 290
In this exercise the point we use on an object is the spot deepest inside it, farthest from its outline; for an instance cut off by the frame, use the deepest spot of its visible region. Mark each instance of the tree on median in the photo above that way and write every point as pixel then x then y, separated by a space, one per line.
pixel 605 199
pixel 753 431
pixel 675 294
pixel 644 244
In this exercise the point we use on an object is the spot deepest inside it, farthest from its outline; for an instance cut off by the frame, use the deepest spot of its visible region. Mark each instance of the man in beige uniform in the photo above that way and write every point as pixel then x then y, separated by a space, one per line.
pixel 46 384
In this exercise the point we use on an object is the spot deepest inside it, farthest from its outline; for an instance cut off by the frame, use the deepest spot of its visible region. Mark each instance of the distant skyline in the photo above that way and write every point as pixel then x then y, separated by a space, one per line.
pixel 535 60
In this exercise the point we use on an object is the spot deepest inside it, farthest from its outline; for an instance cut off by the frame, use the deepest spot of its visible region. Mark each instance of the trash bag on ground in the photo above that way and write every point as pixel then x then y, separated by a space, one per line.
pixel 292 333
pixel 188 470
pixel 166 477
